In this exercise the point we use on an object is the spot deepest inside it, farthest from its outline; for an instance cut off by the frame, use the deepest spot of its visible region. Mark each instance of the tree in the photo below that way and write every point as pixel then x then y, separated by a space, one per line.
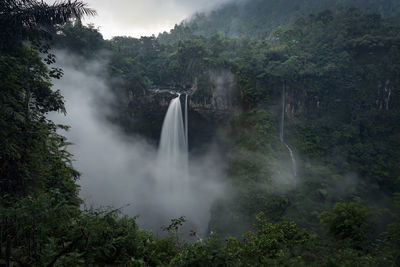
pixel 32 156
pixel 31 20
pixel 351 222
pixel 79 39
pixel 33 159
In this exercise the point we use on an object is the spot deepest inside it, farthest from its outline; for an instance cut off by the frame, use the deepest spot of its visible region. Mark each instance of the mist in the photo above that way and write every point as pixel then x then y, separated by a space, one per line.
pixel 120 171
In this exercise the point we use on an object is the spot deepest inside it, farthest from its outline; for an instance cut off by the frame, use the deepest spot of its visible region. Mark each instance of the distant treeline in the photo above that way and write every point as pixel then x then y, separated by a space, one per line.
pixel 258 19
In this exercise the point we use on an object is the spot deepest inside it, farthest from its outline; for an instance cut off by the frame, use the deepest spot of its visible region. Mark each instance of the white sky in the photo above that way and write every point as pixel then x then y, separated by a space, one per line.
pixel 142 17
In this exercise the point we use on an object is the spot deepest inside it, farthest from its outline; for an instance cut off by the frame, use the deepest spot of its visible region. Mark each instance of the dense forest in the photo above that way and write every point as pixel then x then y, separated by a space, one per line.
pixel 335 65
pixel 258 19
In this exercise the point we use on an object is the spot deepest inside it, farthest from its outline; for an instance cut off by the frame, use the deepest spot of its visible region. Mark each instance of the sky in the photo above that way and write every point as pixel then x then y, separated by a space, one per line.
pixel 138 18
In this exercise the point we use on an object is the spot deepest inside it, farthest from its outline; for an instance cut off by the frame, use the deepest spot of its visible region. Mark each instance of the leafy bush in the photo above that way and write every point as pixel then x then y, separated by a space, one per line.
pixel 351 222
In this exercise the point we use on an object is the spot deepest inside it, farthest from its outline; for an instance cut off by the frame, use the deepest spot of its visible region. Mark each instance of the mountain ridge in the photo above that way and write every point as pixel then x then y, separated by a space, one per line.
pixel 257 19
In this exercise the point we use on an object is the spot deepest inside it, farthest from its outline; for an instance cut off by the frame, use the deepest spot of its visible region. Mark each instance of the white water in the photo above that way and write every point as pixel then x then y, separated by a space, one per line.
pixel 282 137
pixel 172 151
pixel 186 123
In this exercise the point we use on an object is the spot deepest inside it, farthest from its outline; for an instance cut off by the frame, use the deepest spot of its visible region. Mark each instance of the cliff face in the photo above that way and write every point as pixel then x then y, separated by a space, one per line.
pixel 212 97
pixel 341 103
pixel 214 92
pixel 296 102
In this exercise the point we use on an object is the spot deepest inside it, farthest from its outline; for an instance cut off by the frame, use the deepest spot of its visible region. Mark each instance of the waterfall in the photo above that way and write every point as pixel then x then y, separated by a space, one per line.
pixel 178 188
pixel 172 151
pixel 282 137
pixel 186 123
pixel 282 116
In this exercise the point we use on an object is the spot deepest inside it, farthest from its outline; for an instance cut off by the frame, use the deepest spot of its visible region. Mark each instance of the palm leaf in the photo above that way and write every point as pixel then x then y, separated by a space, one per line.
pixel 22 19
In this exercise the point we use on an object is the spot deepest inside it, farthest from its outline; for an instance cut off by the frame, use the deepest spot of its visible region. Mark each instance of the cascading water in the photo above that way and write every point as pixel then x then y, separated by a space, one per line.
pixel 173 148
pixel 282 137
pixel 186 123
pixel 175 191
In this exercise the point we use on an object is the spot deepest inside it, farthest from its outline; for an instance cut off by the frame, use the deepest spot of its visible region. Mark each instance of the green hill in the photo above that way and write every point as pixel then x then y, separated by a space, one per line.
pixel 258 18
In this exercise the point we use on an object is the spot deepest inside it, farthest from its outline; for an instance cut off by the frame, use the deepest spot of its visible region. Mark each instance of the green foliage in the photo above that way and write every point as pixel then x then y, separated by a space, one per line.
pixel 275 244
pixel 337 67
pixel 38 228
pixel 31 20
pixel 84 41
pixel 208 252
pixel 268 244
pixel 111 239
pixel 175 224
pixel 254 160
pixel 352 222
pixel 46 230
pixel 257 19
pixel 32 158
pixel 260 130
pixel 341 70
pixel 389 251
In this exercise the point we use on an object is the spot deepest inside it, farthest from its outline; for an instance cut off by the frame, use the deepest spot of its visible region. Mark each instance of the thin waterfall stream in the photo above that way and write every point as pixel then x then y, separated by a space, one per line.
pixel 282 136
pixel 186 122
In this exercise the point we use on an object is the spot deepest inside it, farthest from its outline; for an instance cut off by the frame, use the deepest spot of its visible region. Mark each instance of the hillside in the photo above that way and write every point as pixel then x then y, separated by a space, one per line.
pixel 257 19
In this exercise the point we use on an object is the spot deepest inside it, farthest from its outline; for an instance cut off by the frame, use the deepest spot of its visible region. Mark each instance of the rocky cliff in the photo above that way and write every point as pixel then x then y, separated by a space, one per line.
pixel 213 96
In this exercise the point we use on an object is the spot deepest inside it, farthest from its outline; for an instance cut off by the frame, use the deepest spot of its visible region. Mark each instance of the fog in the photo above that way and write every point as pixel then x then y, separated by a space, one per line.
pixel 119 171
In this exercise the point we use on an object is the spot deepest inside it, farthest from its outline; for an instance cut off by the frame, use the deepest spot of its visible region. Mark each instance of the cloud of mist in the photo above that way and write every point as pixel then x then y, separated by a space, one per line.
pixel 119 170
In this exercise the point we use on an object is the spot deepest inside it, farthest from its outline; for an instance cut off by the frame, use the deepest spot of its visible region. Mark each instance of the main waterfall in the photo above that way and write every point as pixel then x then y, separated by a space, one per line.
pixel 179 187
pixel 173 147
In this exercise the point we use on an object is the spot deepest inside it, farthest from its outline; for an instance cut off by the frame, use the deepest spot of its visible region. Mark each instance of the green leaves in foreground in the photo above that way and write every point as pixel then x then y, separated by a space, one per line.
pixel 47 231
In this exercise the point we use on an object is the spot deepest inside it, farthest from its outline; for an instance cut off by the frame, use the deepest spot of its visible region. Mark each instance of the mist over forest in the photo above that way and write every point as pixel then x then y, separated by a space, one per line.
pixel 253 133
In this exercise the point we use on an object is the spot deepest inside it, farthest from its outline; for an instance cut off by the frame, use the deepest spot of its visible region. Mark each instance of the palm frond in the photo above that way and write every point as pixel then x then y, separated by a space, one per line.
pixel 20 19
pixel 35 13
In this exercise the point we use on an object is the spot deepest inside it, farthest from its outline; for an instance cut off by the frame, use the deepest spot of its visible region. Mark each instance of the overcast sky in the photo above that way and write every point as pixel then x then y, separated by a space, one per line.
pixel 143 17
